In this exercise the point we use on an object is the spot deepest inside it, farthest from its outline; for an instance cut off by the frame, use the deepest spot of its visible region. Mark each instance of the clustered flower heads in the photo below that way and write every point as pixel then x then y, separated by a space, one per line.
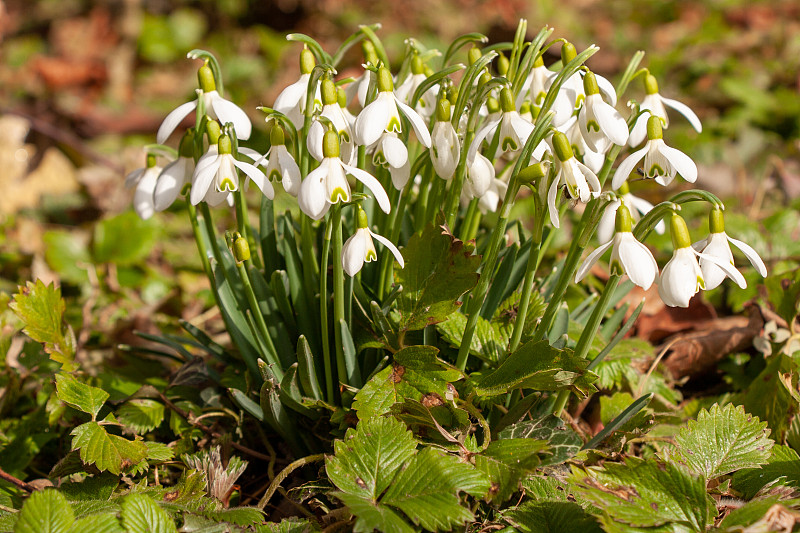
pixel 450 138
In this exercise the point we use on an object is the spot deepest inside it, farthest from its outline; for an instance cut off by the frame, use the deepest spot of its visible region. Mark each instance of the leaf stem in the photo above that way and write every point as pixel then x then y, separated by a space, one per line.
pixel 273 487
pixel 338 290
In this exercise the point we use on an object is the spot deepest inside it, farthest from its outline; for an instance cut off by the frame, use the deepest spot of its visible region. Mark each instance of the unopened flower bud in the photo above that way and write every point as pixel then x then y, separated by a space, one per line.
pixel 474 54
pixel 341 96
pixel 568 53
pixel 502 65
pixel 484 78
pixel 492 105
pixel 241 250
pixel 328 90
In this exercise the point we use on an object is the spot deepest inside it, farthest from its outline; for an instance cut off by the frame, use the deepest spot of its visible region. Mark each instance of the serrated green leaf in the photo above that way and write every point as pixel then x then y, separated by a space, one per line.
pixel 768 399
pixel 141 415
pixel 289 525
pixel 158 452
pixel 46 511
pixel 547 517
pixel 107 452
pixel 426 490
pixel 646 493
pixel 373 517
pixel 562 441
pixel 98 523
pixel 141 514
pixel 488 343
pixel 366 461
pixel 721 441
pixel 506 462
pixel 537 365
pixel 124 239
pixel 416 371
pixel 41 309
pixel 239 516
pixel 80 395
pixel 745 517
pixel 783 467
pixel 438 272
pixel 98 487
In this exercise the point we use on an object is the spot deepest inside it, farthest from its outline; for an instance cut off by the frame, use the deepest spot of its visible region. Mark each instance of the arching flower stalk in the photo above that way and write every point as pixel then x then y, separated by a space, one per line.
pixel 292 100
pixel 655 103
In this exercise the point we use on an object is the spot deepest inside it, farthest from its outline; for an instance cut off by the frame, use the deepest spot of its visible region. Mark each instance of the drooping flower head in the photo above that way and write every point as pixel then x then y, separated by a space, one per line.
pixel 661 162
pixel 292 100
pixel 360 249
pixel 327 184
pixel 581 183
pixel 332 111
pixel 628 256
pixel 600 124
pixel 216 107
pixel 281 166
pixel 176 176
pixel 383 115
pixel 445 145
pixel 717 244
pixel 638 207
pixel 144 179
pixel 405 91
pixel 655 103
pixel 539 81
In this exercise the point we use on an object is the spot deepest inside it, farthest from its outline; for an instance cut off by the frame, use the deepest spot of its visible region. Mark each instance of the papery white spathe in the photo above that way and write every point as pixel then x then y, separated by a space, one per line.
pixel 382 115
pixel 628 254
pixel 220 172
pixel 144 179
pixel 360 249
pixel 391 152
pixel 327 185
pixel 171 182
pixel 682 277
pixel 661 162
pixel 717 245
pixel 445 149
pixel 638 208
pixel 655 103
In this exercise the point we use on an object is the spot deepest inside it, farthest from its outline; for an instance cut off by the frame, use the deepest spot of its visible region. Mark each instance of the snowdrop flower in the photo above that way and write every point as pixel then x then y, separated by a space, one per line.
pixel 491 198
pixel 144 179
pixel 682 276
pixel 660 161
pixel 382 115
pixel 327 184
pixel 357 91
pixel 655 103
pixel 638 208
pixel 717 244
pixel 573 87
pixel 349 117
pixel 176 175
pixel 539 81
pixel 216 108
pixel 514 130
pixel 590 158
pixel 391 152
pixel 333 112
pixel 220 172
pixel 580 181
pixel 600 124
pixel 360 249
pixel 627 254
pixel 480 175
pixel 406 90
pixel 292 100
pixel 445 146
pixel 280 165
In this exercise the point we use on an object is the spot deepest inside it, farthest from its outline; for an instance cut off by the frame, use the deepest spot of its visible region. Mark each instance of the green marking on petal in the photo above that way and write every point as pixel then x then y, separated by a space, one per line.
pixel 227 185
pixel 185 189
pixel 579 100
pixel 615 266
pixel 378 159
pixel 592 126
pixel 655 171
pixel 701 282
pixel 371 256
pixel 394 125
pixel 274 175
pixel 573 190
pixel 539 100
pixel 339 194
pixel 344 137
pixel 509 144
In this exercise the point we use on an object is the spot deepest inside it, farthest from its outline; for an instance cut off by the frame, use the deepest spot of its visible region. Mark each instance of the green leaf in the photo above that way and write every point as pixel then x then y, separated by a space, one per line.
pixel 753 512
pixel 41 309
pixel 288 525
pixel 721 441
pixel 67 253
pixel 416 371
pixel 488 343
pixel 369 456
pixel 124 239
pixel 98 487
pixel 373 517
pixel 537 365
pixel 506 462
pixel 98 523
pixel 783 467
pixel 141 415
pixel 46 511
pixel 141 514
pixel 549 516
pixel 80 395
pixel 784 293
pixel 108 452
pixel 438 272
pixel 768 399
pixel 426 490
pixel 562 441
pixel 158 452
pixel 646 493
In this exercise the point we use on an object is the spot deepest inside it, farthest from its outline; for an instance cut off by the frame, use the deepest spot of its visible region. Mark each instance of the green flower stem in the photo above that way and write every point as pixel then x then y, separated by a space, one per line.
pixel 338 290
pixel 479 293
pixel 468 221
pixel 272 354
pixel 434 199
pixel 527 284
pixel 394 226
pixel 323 311
pixel 451 207
pixel 425 187
pixel 201 247
pixel 589 332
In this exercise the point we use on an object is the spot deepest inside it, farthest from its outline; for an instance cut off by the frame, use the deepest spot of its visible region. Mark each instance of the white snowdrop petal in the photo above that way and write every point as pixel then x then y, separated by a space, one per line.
pixel 372 184
pixel 423 135
pixel 626 167
pixel 590 260
pixel 686 111
pixel 727 267
pixel 202 179
pixel 680 161
pixel 227 111
pixel 751 255
pixel 392 248
pixel 353 253
pixel 172 120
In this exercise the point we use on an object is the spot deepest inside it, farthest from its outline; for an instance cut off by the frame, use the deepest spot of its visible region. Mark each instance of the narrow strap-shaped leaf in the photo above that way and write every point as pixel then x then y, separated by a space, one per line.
pixel 560 327
pixel 350 361
pixel 269 240
pixel 279 419
pixel 290 395
pixel 583 310
pixel 349 42
pixel 615 424
pixel 614 321
pixel 306 370
pixel 500 281
pixel 242 400
pixel 518 271
pixel 177 346
pixel 618 337
pixel 207 342
pixel 280 291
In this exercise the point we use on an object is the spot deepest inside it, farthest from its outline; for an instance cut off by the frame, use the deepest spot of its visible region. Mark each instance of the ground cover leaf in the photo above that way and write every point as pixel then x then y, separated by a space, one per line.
pixel 768 399
pixel 562 441
pixel 46 511
pixel 439 270
pixel 80 395
pixel 98 523
pixel 646 493
pixel 488 343
pixel 124 239
pixel 721 441
pixel 550 516
pixel 107 452
pixel 506 462
pixel 141 514
pixel 141 415
pixel 783 467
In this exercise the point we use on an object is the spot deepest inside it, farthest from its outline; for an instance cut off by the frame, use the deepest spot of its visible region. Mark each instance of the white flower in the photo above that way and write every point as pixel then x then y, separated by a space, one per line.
pixel 627 254
pixel 638 208
pixel 580 181
pixel 593 160
pixel 171 182
pixel 280 165
pixel 333 112
pixel 292 100
pixel 539 81
pixel 480 174
pixel 220 171
pixel 144 179
pixel 390 152
pixel 717 245
pixel 405 91
pixel 600 124
pixel 493 195
pixel 327 184
pixel 682 276
pixel 661 162
pixel 360 249
pixel 382 115
pixel 655 103
pixel 216 107
pixel 445 148
pixel 357 90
